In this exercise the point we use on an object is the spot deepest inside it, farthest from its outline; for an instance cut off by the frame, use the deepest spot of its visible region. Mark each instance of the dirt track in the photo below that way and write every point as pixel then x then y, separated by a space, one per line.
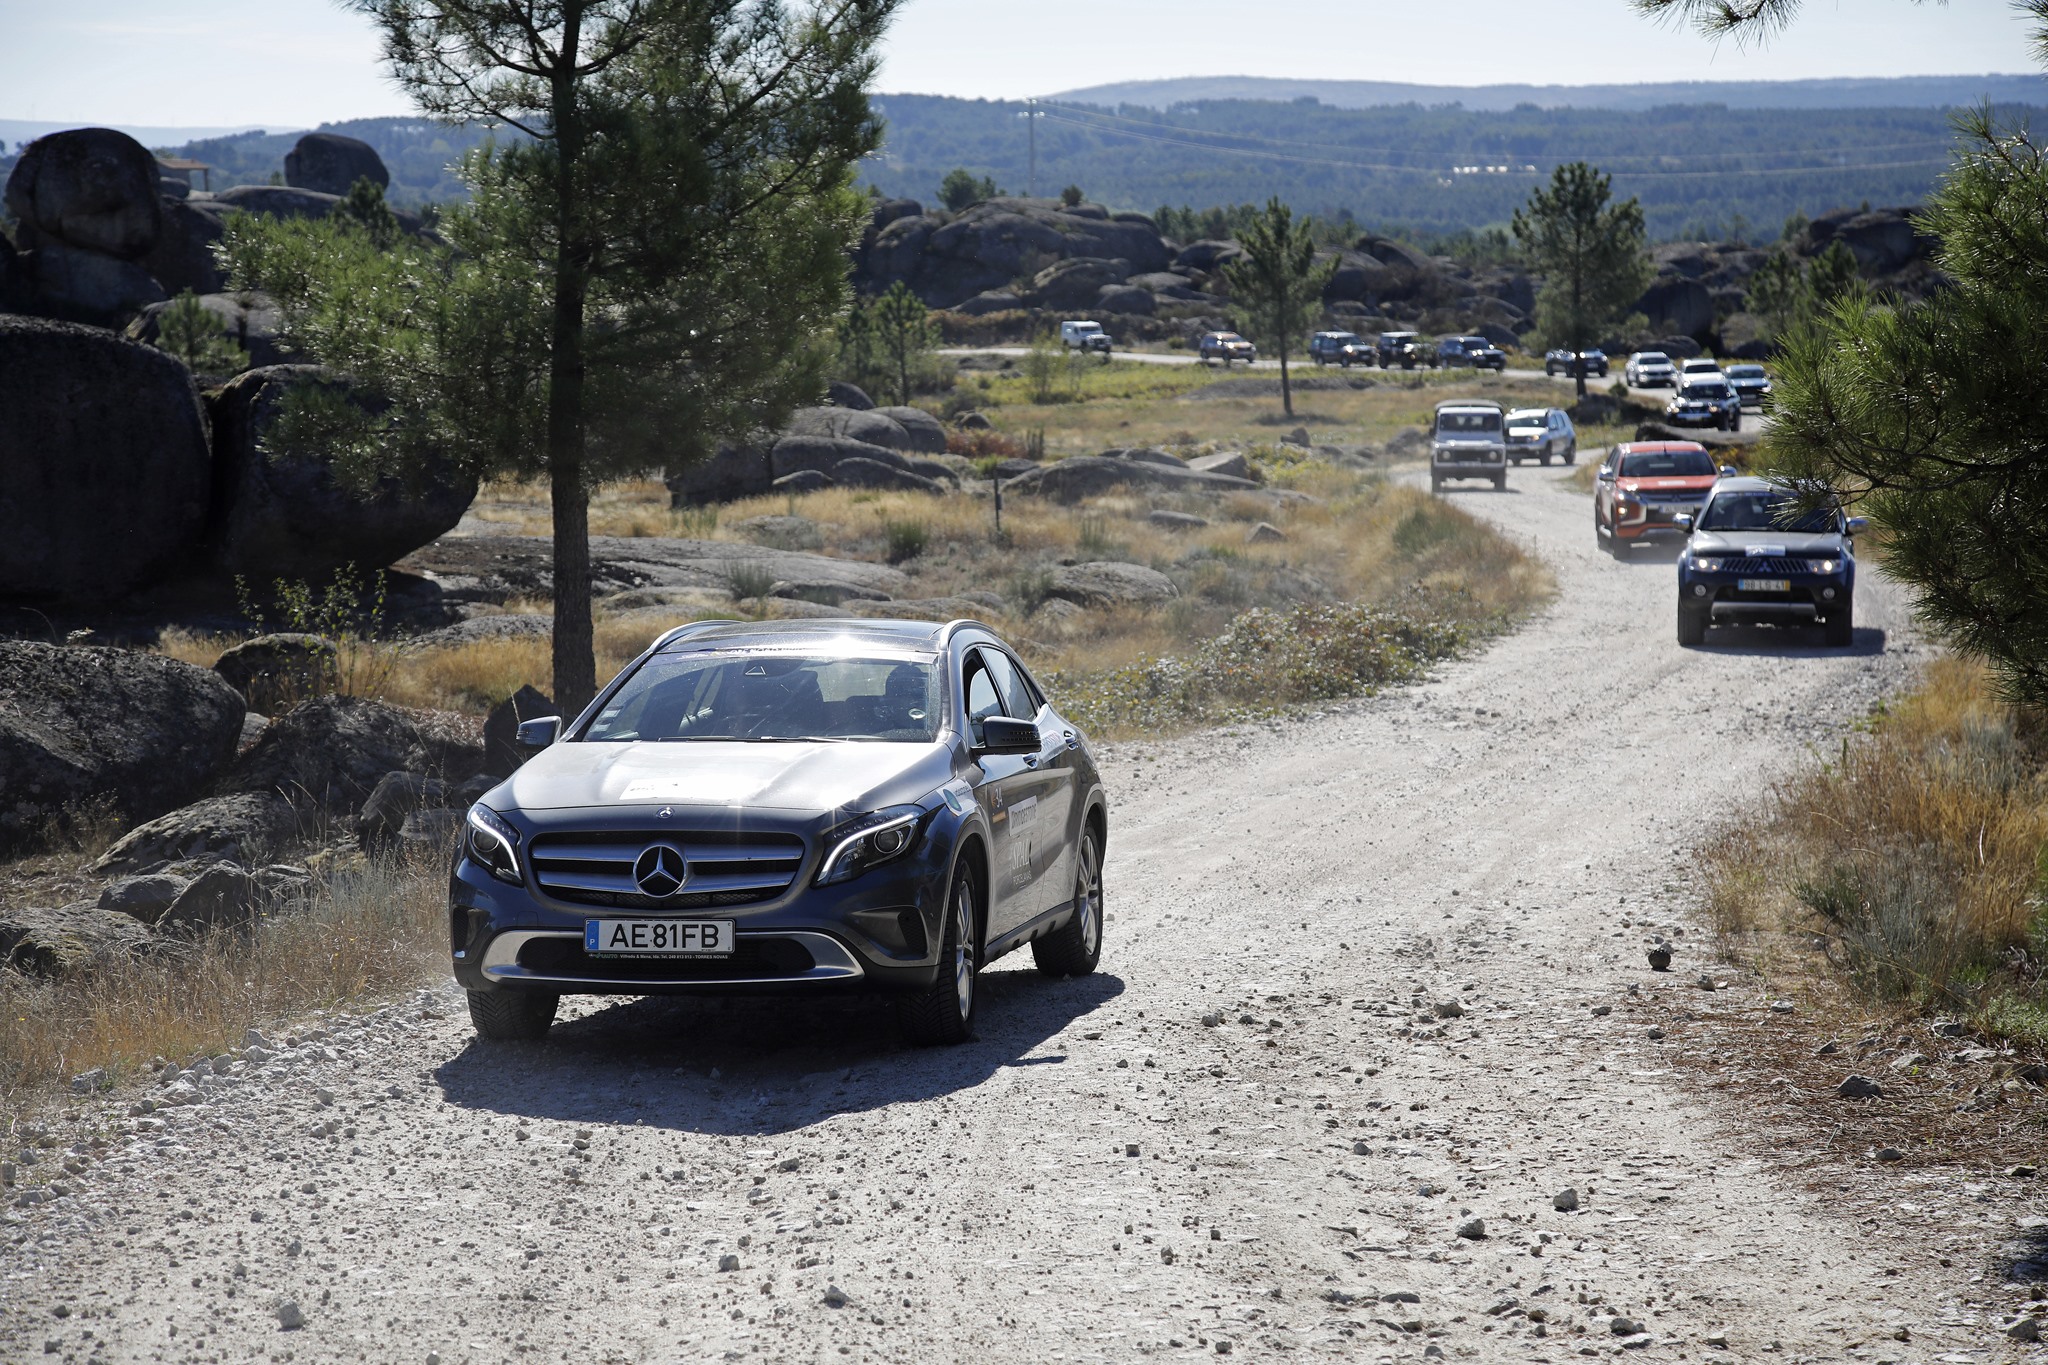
pixel 1502 837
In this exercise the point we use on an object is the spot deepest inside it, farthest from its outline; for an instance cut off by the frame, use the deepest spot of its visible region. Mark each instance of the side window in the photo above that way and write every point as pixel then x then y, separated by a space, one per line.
pixel 1612 462
pixel 1017 698
pixel 983 700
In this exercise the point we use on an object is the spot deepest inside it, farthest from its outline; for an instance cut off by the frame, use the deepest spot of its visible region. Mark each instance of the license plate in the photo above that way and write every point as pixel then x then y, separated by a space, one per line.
pixel 659 937
pixel 1764 585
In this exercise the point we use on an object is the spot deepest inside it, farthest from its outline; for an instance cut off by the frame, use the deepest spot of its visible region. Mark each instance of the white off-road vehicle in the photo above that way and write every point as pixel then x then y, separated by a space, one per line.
pixel 1468 441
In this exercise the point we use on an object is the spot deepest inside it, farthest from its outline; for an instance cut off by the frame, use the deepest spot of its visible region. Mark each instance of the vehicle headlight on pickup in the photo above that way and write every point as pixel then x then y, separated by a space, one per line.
pixel 1708 563
pixel 868 842
pixel 1823 565
pixel 492 843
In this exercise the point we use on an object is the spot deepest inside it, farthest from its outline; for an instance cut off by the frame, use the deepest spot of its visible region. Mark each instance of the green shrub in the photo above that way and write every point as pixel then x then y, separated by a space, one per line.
pixel 745 581
pixel 906 538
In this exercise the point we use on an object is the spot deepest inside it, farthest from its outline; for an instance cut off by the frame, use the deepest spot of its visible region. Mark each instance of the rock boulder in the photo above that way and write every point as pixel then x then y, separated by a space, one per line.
pixel 292 517
pixel 331 164
pixel 276 672
pixel 1110 584
pixel 75 938
pixel 243 828
pixel 1087 476
pixel 104 467
pixel 183 256
pixel 84 724
pixel 332 751
pixel 923 434
pixel 92 188
pixel 76 285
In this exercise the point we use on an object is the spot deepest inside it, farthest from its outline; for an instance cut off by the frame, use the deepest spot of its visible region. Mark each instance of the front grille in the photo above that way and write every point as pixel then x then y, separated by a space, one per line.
pixel 724 868
pixel 1773 565
pixel 752 959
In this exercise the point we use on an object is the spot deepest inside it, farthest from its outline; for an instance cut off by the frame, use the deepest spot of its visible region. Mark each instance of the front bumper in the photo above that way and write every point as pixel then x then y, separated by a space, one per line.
pixel 1808 596
pixel 1709 418
pixel 1474 466
pixel 877 932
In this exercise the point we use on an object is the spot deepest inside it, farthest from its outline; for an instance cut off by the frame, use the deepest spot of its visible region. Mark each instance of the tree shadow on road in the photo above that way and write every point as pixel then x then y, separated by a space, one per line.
pixel 783 1063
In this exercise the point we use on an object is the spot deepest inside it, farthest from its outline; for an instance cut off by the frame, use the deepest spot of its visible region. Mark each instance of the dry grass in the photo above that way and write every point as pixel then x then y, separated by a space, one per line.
pixel 368 932
pixel 1911 867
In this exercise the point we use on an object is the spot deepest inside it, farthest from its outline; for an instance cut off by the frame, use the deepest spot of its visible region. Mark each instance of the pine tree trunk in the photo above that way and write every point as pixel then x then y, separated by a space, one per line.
pixel 1286 393
pixel 574 651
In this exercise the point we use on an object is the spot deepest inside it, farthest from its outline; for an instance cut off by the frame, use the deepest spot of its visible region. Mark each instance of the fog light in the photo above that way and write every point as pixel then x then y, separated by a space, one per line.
pixel 1699 590
pixel 1827 594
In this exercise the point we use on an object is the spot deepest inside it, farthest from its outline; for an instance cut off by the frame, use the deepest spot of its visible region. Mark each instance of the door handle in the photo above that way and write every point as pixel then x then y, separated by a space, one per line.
pixel 1073 740
pixel 1031 760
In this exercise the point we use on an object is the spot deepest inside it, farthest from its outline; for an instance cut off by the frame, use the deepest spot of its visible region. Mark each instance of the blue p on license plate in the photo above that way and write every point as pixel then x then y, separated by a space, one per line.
pixel 659 937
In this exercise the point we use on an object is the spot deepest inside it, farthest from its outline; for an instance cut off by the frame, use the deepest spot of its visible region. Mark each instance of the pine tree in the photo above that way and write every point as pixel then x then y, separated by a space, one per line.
pixel 1276 286
pixel 1592 256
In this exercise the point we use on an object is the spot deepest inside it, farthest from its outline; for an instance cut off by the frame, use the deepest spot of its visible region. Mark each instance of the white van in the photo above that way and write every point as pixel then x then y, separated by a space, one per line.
pixel 1084 336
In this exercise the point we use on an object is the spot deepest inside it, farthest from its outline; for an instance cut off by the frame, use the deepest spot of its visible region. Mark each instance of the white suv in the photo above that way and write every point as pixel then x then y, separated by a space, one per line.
pixel 1699 367
pixel 1468 441
pixel 1650 370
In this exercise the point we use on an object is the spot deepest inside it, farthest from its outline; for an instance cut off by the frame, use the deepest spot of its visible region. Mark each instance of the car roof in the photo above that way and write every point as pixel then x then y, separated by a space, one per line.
pixel 885 634
pixel 1747 483
pixel 1452 403
pixel 1653 355
pixel 1658 447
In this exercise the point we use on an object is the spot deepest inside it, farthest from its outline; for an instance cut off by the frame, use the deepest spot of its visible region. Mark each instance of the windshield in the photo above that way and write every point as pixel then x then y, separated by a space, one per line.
pixel 1467 423
pixel 1764 510
pixel 771 696
pixel 1667 464
pixel 1085 327
pixel 1716 390
pixel 1340 338
pixel 1745 372
pixel 1477 344
pixel 1653 358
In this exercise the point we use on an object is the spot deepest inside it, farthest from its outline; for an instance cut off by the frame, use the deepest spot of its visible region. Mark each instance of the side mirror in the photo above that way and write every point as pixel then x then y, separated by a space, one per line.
pixel 1004 735
pixel 1855 524
pixel 1683 521
pixel 1604 476
pixel 540 732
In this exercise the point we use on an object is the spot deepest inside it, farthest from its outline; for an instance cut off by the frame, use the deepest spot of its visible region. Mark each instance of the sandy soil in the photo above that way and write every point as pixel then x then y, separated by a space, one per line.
pixel 1370 974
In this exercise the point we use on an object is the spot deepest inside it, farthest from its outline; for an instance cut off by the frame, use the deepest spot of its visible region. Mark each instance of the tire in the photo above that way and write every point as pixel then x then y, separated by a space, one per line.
pixel 1571 454
pixel 943 1013
pixel 1692 626
pixel 512 1016
pixel 1075 947
pixel 1841 626
pixel 1500 482
pixel 1436 485
pixel 1544 458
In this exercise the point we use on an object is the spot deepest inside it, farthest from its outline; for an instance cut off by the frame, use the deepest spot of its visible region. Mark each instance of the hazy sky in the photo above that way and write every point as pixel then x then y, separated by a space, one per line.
pixel 286 63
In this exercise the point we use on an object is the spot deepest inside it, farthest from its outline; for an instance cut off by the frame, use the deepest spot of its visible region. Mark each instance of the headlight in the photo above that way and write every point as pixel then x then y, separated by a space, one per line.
pixel 1823 565
pixel 494 844
pixel 868 842
pixel 1707 564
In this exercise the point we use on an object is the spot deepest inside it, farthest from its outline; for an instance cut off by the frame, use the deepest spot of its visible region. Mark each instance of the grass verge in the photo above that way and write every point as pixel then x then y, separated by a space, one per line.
pixel 368 932
pixel 1913 868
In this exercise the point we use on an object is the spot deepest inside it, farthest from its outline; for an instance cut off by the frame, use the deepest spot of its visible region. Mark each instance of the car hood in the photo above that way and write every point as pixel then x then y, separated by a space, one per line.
pixel 1528 433
pixel 810 777
pixel 1698 483
pixel 1758 543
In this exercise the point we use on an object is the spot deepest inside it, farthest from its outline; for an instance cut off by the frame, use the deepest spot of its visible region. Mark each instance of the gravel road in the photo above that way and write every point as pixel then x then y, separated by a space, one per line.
pixel 1371 975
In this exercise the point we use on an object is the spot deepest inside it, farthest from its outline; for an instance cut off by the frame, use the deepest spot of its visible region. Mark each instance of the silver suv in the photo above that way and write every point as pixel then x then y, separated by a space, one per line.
pixel 1468 441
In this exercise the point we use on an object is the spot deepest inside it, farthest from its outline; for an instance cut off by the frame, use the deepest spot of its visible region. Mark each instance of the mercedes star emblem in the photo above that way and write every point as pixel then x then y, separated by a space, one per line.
pixel 660 870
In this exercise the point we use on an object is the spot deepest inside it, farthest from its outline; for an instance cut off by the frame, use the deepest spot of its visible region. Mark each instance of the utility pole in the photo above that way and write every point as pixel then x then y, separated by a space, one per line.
pixel 1031 116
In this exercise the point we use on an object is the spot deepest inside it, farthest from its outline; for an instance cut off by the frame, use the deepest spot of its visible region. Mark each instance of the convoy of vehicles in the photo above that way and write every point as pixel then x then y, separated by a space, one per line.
pixel 1753 551
pixel 1084 336
pixel 1643 487
pixel 1398 348
pixel 1542 434
pixel 789 807
pixel 1226 347
pixel 1468 440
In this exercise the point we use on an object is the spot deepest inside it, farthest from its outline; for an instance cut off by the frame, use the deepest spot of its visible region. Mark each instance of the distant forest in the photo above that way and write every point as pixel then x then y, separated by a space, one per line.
pixel 1429 173
pixel 1700 170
